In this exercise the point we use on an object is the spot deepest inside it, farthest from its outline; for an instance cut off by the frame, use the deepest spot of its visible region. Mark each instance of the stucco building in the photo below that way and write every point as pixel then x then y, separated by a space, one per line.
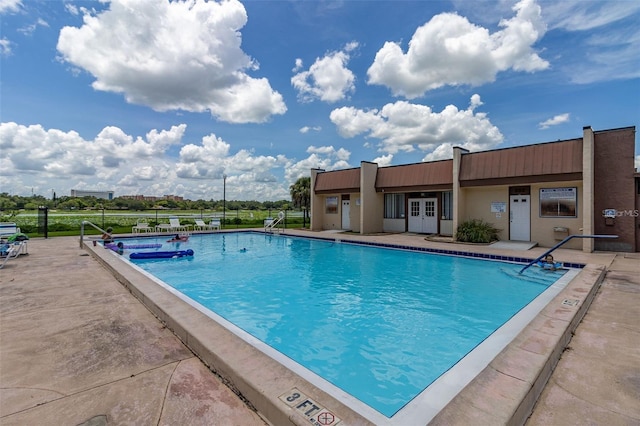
pixel 542 192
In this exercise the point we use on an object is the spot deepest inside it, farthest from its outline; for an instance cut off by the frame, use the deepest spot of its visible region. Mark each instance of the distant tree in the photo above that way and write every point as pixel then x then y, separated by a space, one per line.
pixel 301 192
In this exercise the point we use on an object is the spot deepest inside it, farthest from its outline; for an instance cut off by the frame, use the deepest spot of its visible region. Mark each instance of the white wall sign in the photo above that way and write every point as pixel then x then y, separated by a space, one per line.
pixel 498 207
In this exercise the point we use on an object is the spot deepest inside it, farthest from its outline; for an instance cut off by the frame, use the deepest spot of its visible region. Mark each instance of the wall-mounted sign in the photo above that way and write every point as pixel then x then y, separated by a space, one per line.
pixel 498 207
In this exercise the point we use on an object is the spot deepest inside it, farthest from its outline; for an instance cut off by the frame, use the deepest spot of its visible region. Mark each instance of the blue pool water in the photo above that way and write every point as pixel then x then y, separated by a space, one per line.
pixel 380 324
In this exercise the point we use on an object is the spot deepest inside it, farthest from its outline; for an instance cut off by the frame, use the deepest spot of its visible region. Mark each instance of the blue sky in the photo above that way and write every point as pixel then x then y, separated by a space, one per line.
pixel 155 97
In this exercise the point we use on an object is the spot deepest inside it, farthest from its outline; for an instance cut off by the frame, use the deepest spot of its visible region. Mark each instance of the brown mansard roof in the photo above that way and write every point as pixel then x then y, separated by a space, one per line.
pixel 416 177
pixel 540 162
pixel 338 181
pixel 549 161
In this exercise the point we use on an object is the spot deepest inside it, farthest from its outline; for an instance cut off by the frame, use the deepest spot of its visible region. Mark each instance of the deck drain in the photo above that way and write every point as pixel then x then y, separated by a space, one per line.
pixel 570 302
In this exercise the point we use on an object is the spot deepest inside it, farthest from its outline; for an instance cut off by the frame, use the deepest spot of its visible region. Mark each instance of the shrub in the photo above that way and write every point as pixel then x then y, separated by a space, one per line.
pixel 476 231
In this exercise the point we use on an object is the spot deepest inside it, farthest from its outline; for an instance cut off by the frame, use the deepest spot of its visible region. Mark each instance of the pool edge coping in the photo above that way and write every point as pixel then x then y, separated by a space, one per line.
pixel 541 342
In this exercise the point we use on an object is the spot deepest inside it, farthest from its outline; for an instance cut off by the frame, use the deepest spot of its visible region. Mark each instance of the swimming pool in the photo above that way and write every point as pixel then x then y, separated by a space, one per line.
pixel 403 318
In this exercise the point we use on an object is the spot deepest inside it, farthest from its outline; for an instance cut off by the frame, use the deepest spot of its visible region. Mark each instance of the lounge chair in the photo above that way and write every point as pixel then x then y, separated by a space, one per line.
pixel 164 227
pixel 215 224
pixel 176 226
pixel 201 226
pixel 141 226
pixel 8 228
pixel 10 233
pixel 10 251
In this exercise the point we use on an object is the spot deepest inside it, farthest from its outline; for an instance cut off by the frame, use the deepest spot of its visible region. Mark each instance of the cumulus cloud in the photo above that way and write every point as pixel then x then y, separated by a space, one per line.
pixel 554 121
pixel 45 159
pixel 323 157
pixel 64 158
pixel 173 56
pixel 328 79
pixel 450 50
pixel 404 126
pixel 385 160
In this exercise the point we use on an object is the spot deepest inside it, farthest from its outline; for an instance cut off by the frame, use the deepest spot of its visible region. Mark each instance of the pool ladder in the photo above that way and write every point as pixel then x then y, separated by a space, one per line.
pixel 272 224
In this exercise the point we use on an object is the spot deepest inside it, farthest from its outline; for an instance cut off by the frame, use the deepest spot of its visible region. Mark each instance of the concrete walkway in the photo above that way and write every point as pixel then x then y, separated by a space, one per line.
pixel 77 348
pixel 597 381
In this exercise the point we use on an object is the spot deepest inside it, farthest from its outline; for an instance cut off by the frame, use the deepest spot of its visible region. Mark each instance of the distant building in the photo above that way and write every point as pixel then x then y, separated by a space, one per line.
pixel 105 195
pixel 152 198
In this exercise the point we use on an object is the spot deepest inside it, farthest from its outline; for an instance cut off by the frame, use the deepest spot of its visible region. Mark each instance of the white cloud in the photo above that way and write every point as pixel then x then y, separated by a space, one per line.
pixel 42 159
pixel 299 65
pixel 54 158
pixel 450 50
pixel 384 160
pixel 608 39
pixel 323 157
pixel 71 8
pixel 249 176
pixel 328 79
pixel 10 6
pixel 173 56
pixel 30 29
pixel 556 120
pixel 403 126
pixel 34 157
pixel 5 47
pixel 579 15
pixel 307 129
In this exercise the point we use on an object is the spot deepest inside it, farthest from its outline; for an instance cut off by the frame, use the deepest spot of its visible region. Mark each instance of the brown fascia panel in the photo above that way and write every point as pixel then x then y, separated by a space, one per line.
pixel 522 180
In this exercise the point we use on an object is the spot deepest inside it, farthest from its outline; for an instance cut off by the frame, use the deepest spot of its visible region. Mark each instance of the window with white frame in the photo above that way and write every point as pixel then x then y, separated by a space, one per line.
pixel 394 206
pixel 447 205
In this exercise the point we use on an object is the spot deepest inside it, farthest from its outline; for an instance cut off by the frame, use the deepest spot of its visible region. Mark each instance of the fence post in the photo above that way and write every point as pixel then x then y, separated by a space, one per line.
pixel 43 221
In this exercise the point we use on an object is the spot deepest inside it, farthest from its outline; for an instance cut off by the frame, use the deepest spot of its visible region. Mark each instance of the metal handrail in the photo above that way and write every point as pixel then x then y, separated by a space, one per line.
pixel 561 243
pixel 275 222
pixel 93 225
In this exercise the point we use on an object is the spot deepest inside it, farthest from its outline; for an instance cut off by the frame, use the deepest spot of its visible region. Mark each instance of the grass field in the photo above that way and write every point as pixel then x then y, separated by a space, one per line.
pixel 61 223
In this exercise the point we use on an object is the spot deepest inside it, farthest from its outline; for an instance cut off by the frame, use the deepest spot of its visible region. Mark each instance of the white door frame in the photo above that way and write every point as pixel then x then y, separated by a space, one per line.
pixel 520 217
pixel 423 215
pixel 346 219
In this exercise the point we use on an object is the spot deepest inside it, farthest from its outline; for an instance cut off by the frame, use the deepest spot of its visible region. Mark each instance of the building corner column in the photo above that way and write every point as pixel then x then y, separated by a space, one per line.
pixel 315 209
pixel 370 216
pixel 458 199
pixel 588 221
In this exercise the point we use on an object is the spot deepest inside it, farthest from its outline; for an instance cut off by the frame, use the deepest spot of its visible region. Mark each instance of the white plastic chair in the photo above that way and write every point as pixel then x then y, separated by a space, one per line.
pixel 141 226
pixel 175 225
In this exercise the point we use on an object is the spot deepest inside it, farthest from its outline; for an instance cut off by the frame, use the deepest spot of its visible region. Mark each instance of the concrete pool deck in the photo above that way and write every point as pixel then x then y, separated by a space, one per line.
pixel 76 346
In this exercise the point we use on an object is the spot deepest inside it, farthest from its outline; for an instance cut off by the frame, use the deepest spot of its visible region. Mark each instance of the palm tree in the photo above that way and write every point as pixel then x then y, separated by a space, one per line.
pixel 300 192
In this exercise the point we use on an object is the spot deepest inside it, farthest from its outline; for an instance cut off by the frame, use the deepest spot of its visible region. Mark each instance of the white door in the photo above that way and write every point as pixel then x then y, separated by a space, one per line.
pixel 346 223
pixel 520 217
pixel 423 217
